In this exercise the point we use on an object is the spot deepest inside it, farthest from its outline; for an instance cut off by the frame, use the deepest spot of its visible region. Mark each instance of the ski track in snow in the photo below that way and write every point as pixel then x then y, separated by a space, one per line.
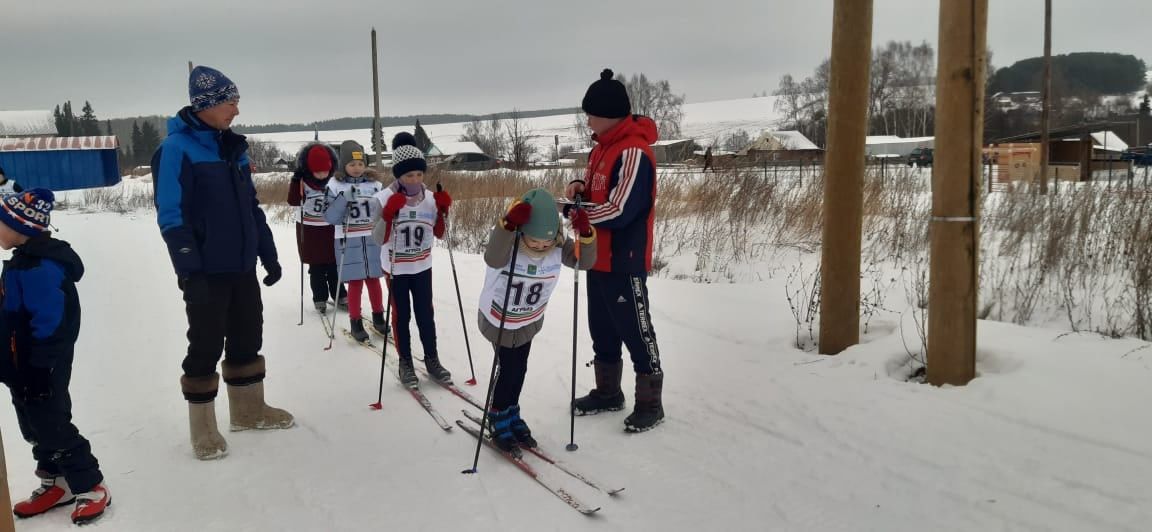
pixel 1052 436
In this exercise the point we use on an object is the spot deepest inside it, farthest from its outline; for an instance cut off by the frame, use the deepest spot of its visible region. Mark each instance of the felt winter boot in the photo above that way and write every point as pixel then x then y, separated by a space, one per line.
pixel 246 398
pixel 200 392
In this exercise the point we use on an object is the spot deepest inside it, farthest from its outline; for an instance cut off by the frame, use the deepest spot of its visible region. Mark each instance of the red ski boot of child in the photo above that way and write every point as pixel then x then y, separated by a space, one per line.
pixel 52 493
pixel 90 505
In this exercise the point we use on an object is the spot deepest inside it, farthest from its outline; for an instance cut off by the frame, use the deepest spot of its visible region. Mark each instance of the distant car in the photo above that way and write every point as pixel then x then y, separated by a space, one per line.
pixel 1140 156
pixel 920 157
pixel 469 161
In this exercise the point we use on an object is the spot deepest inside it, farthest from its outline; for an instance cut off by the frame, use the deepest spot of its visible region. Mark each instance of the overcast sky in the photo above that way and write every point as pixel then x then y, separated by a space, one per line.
pixel 300 61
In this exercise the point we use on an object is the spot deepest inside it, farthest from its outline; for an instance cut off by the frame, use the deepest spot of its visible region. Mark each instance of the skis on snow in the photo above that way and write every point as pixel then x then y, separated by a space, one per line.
pixel 414 392
pixel 519 462
pixel 543 455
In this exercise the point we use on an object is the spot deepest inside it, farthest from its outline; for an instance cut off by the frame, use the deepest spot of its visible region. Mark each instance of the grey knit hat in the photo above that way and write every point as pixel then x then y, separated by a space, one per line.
pixel 350 151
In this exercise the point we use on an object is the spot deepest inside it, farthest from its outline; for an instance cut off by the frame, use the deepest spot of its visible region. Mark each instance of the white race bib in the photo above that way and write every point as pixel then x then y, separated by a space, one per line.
pixel 532 287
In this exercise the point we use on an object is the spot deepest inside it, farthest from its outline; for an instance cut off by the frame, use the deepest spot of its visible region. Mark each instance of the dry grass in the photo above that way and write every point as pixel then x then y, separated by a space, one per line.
pixel 1082 254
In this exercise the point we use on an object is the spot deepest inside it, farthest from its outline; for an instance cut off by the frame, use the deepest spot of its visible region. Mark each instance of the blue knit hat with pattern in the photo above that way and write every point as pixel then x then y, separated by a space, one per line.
pixel 28 213
pixel 208 87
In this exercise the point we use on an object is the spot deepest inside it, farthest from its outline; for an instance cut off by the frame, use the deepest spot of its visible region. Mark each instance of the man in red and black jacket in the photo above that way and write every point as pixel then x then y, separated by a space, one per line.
pixel 621 181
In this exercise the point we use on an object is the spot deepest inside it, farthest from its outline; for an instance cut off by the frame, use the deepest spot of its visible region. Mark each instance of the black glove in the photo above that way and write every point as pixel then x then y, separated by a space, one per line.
pixel 35 384
pixel 274 273
pixel 182 281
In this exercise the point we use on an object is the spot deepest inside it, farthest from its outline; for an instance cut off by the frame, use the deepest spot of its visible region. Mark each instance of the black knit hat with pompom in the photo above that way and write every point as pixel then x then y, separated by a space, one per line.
pixel 406 157
pixel 607 98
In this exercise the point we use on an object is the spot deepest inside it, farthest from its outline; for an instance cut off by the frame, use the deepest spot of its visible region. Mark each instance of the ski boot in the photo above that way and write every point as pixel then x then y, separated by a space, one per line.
pixel 408 373
pixel 52 493
pixel 520 429
pixel 500 429
pixel 357 330
pixel 436 370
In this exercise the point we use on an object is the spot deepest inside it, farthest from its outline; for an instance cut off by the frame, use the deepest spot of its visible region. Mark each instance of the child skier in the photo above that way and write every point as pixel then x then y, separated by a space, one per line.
pixel 315 237
pixel 543 248
pixel 411 218
pixel 353 210
pixel 8 185
pixel 39 325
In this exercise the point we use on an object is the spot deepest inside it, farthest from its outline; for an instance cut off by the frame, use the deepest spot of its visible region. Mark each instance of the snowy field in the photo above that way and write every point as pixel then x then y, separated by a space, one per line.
pixel 702 121
pixel 1053 435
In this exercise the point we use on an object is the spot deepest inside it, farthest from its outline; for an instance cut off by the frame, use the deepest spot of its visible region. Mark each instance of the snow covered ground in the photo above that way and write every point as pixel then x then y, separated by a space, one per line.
pixel 702 121
pixel 1053 435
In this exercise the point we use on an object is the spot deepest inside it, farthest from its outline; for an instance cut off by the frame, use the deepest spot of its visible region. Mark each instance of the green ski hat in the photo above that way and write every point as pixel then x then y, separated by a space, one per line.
pixel 545 220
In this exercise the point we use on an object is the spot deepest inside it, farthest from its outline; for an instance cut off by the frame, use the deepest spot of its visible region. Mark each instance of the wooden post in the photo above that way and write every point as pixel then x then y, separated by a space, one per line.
pixel 6 521
pixel 377 141
pixel 1045 97
pixel 953 285
pixel 1086 147
pixel 189 67
pixel 844 175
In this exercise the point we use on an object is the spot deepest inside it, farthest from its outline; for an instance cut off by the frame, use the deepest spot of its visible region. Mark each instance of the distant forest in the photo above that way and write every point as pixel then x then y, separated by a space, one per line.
pixel 365 122
pixel 1086 72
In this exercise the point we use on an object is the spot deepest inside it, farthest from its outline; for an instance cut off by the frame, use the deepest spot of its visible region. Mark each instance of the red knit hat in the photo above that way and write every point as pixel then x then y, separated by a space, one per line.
pixel 319 159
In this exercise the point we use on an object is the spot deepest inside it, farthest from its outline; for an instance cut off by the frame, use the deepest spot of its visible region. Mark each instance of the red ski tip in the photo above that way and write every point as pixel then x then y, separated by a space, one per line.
pixel 470 382
pixel 376 406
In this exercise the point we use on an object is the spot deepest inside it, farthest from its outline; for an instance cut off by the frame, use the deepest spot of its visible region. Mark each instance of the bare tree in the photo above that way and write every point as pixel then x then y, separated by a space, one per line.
pixel 489 136
pixel 789 101
pixel 804 104
pixel 264 154
pixel 520 148
pixel 656 100
pixel 736 141
pixel 582 133
pixel 881 98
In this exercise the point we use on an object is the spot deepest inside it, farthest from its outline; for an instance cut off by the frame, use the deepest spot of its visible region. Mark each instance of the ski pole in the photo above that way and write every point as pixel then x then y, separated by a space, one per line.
pixel 299 242
pixel 387 314
pixel 575 317
pixel 496 354
pixel 339 273
pixel 459 300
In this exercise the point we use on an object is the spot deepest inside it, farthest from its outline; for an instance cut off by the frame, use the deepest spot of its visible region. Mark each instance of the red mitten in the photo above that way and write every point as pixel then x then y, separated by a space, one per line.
pixel 443 201
pixel 518 214
pixel 393 205
pixel 579 218
pixel 438 228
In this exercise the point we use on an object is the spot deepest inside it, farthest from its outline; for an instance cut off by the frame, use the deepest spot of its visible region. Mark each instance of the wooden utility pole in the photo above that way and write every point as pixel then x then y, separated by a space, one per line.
pixel 1046 97
pixel 377 142
pixel 955 192
pixel 6 521
pixel 189 67
pixel 844 175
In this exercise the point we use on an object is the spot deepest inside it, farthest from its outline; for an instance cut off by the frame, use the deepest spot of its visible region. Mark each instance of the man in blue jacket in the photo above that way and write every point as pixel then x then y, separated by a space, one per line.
pixel 214 229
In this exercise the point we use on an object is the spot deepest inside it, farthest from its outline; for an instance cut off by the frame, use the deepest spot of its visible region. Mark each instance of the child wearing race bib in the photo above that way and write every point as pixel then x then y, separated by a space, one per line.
pixel 353 210
pixel 314 235
pixel 7 185
pixel 543 250
pixel 411 217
